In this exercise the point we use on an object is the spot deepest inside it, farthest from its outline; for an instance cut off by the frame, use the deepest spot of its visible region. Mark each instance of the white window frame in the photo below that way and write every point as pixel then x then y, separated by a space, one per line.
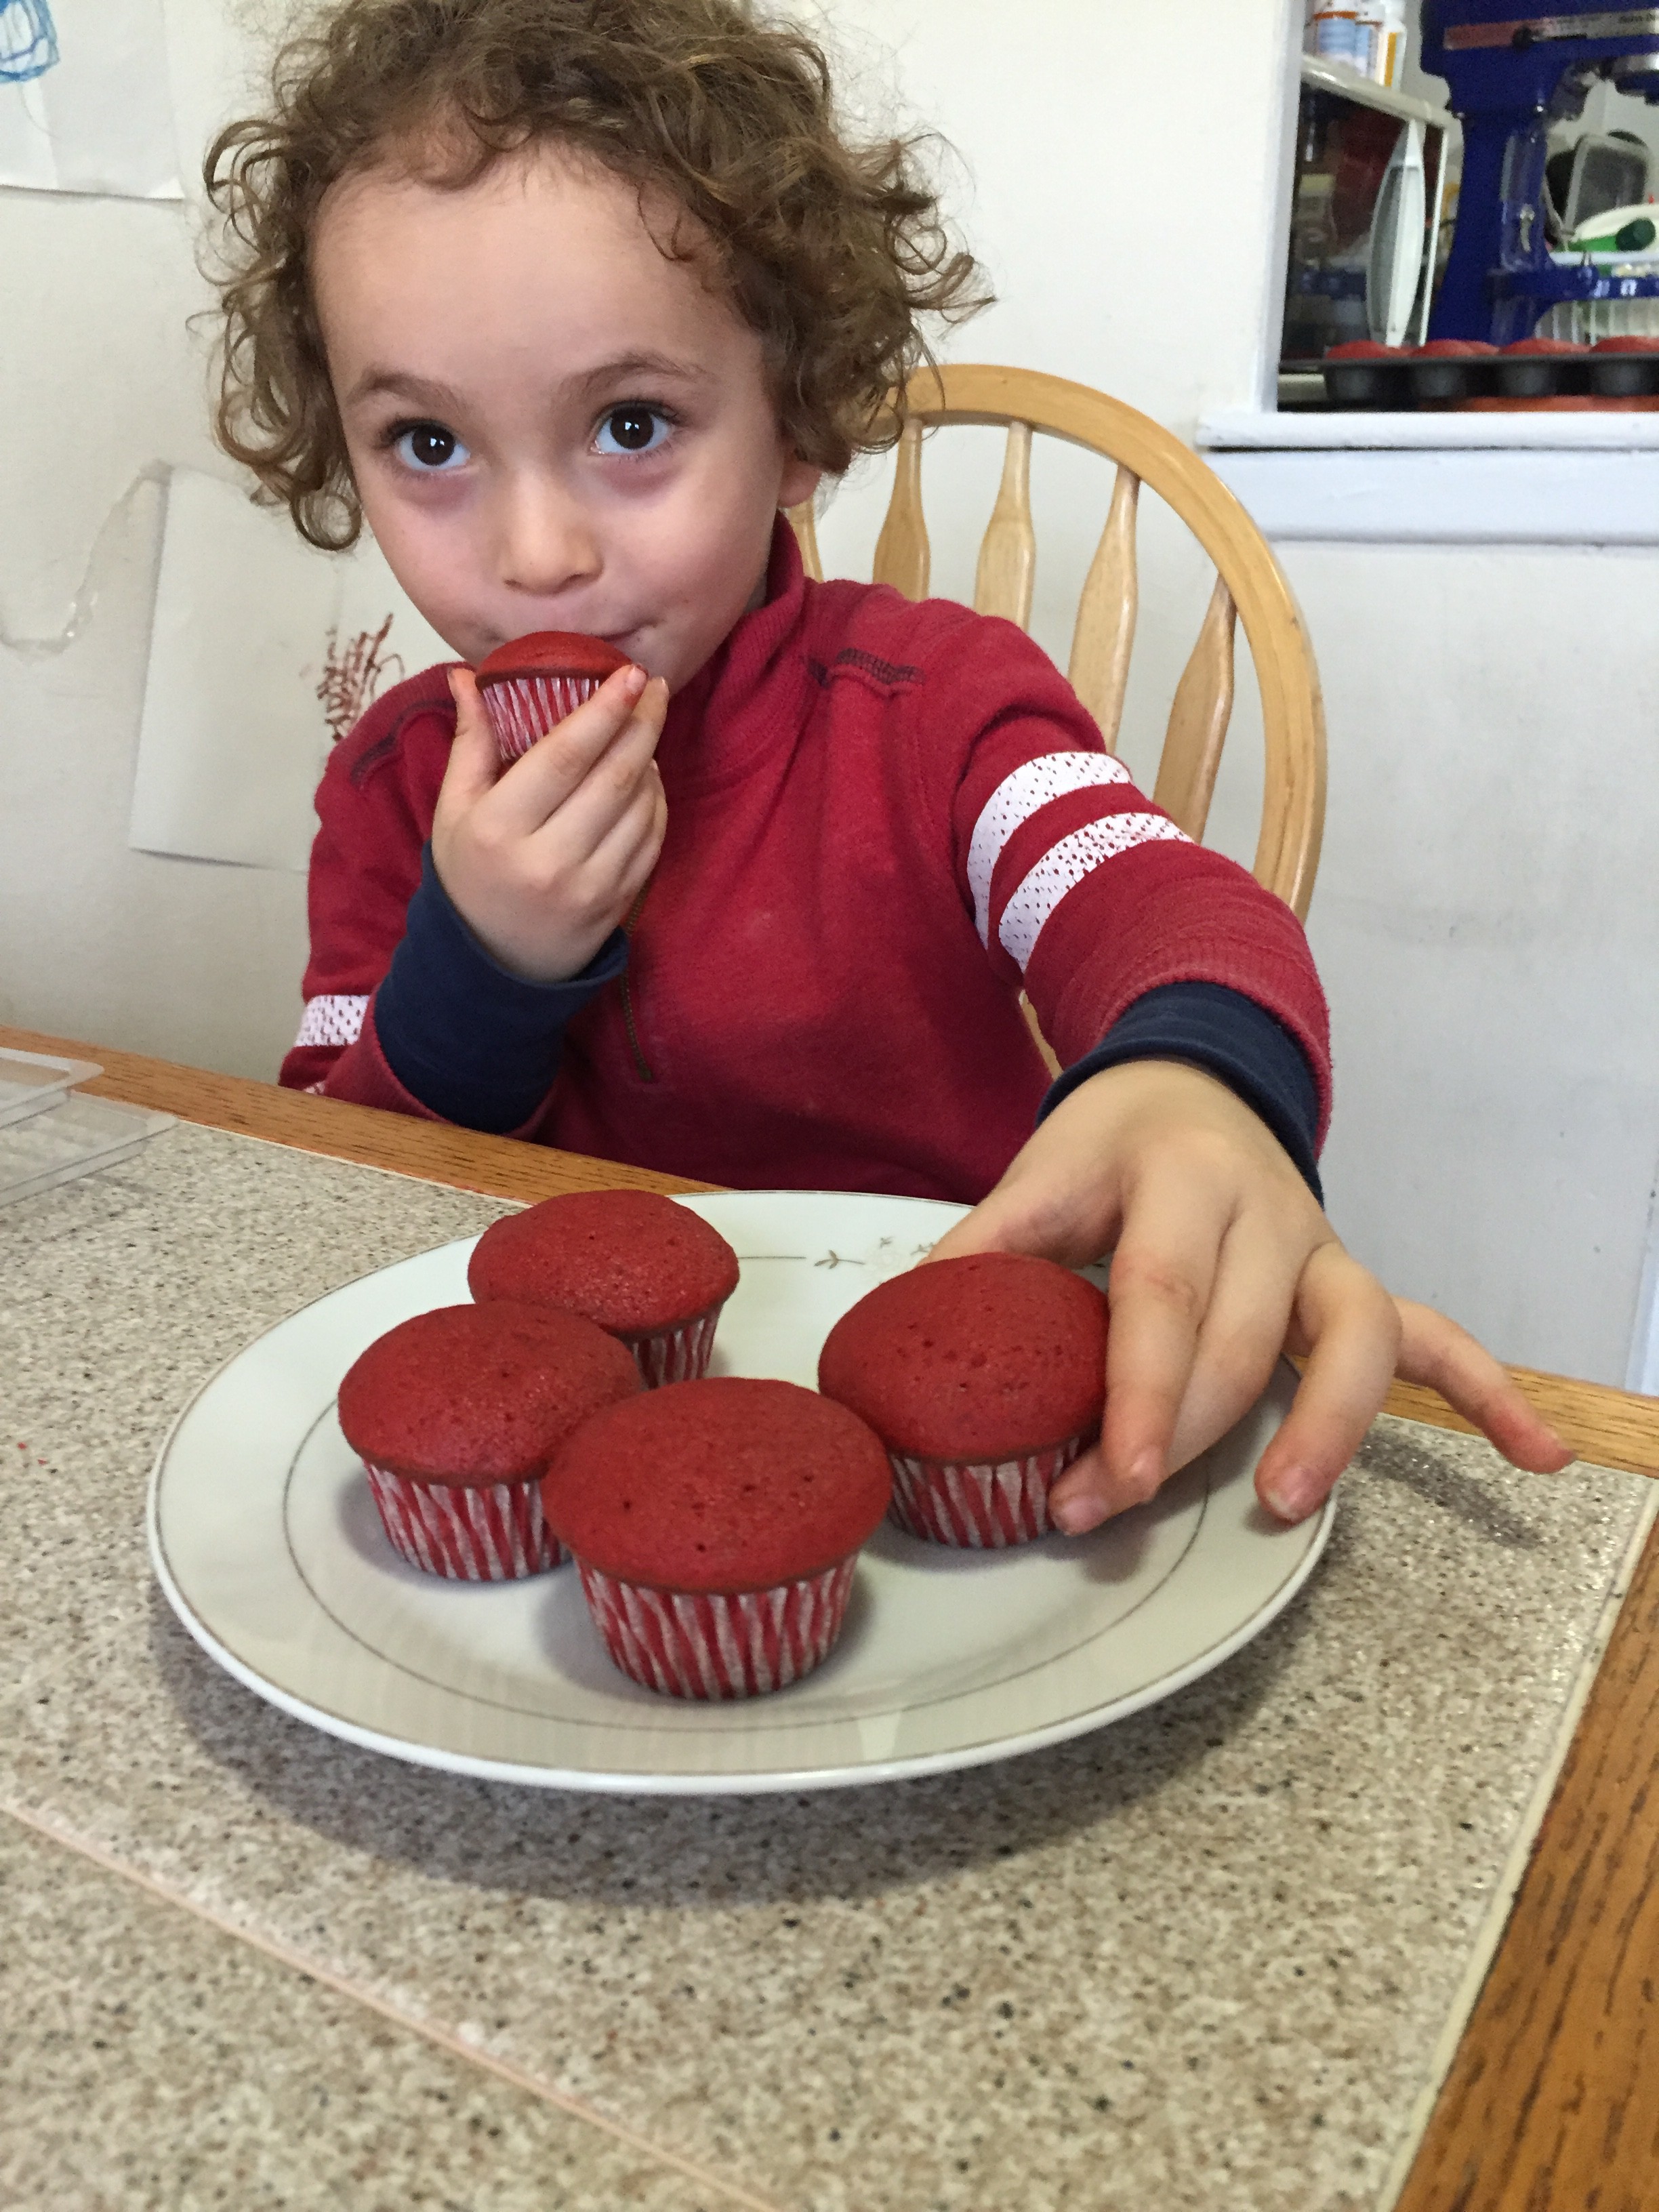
pixel 1403 478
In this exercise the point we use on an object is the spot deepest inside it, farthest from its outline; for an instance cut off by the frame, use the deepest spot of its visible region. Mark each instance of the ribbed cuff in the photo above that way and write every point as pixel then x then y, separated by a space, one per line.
pixel 1228 1037
pixel 473 1043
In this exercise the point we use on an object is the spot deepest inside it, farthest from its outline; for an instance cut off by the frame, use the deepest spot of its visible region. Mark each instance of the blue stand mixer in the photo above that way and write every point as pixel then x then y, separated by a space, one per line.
pixel 1511 76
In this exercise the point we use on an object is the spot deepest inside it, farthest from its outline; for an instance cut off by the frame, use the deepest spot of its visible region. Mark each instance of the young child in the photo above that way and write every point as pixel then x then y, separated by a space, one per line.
pixel 568 299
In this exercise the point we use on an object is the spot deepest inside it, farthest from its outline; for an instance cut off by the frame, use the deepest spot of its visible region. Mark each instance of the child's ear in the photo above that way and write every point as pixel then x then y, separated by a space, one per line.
pixel 800 479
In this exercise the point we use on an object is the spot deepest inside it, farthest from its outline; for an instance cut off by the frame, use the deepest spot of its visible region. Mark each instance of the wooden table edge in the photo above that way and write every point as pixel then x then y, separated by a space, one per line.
pixel 1560 2056
pixel 1611 1428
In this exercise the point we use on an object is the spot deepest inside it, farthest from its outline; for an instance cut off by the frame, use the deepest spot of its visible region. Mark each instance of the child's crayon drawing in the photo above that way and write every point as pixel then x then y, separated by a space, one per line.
pixel 28 41
pixel 89 109
pixel 353 674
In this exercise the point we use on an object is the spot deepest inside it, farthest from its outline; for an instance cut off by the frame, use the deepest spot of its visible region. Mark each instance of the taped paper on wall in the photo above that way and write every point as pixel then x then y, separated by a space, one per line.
pixel 84 99
pixel 263 652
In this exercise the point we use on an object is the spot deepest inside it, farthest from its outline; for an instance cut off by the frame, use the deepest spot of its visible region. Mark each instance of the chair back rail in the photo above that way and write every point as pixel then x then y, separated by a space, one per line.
pixel 1250 588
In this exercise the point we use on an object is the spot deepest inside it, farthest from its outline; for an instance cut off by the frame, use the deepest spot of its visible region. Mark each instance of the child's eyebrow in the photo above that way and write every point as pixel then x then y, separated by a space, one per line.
pixel 643 364
pixel 375 383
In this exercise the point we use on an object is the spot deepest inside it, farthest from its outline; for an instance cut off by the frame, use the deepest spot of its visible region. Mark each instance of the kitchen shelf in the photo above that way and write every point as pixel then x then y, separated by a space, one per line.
pixel 1348 84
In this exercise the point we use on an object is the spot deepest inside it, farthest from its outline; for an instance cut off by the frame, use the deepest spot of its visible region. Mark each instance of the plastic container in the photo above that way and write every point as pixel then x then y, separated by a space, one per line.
pixel 1586 321
pixel 73 1139
pixel 34 1082
pixel 1633 229
pixel 1389 18
pixel 1334 35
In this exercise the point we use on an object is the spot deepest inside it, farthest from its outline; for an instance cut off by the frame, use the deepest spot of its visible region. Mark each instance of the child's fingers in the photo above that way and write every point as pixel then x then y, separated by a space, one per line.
pixel 537 786
pixel 1437 1351
pixel 474 759
pixel 620 862
pixel 1353 1328
pixel 1163 1274
pixel 1243 1337
pixel 1239 1341
pixel 1004 1222
pixel 1034 1209
pixel 610 787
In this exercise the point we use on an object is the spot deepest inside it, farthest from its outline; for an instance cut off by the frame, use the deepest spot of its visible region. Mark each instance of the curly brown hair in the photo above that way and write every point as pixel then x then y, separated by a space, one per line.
pixel 832 251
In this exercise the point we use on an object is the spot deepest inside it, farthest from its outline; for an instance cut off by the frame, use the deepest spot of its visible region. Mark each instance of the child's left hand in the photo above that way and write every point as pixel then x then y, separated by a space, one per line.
pixel 1221 1260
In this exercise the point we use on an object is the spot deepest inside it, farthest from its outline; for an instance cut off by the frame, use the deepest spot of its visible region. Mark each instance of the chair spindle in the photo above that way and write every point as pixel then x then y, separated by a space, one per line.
pixel 1007 557
pixel 1104 635
pixel 901 552
pixel 1198 719
pixel 804 523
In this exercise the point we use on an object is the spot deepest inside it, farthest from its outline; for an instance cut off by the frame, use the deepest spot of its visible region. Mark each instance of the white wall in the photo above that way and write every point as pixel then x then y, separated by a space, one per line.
pixel 1485 915
pixel 1485 920
pixel 104 386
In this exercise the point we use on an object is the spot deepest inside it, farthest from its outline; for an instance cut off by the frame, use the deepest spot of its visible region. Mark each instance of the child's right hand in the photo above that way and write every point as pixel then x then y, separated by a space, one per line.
pixel 543 862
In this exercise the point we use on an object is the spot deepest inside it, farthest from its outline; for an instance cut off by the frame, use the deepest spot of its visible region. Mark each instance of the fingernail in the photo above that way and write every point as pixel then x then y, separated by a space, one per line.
pixel 1075 1517
pixel 1292 1493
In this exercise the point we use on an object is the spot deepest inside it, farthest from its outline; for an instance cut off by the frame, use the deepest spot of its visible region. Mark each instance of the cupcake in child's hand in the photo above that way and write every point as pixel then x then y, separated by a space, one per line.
pixel 456 1414
pixel 649 1272
pixel 536 681
pixel 716 1526
pixel 985 1377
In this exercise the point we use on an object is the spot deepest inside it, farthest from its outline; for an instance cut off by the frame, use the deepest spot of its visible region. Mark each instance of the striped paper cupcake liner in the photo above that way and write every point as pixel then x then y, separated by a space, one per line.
pixel 492 1532
pixel 694 1645
pixel 676 1355
pixel 522 708
pixel 982 1507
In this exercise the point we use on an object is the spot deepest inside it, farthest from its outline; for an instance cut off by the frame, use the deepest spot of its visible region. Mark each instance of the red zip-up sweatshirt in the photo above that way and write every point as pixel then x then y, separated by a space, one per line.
pixel 884 820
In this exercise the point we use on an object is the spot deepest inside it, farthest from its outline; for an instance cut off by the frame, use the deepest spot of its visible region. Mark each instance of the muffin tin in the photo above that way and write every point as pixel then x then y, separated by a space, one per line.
pixel 1536 372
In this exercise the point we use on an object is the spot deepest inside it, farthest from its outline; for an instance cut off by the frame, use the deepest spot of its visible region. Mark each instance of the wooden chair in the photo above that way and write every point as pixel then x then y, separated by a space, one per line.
pixel 1249 584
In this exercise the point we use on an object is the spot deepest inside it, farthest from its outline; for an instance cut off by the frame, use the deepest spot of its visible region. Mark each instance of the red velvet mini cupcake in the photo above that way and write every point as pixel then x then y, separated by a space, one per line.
pixel 536 681
pixel 985 1378
pixel 649 1272
pixel 716 1526
pixel 456 1414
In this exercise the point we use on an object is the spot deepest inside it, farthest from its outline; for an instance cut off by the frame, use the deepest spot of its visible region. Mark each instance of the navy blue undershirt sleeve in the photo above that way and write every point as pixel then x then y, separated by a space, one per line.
pixel 1228 1037
pixel 473 1042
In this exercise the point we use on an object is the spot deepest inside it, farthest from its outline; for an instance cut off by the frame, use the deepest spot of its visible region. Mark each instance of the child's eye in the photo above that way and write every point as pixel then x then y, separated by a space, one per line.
pixel 428 446
pixel 632 428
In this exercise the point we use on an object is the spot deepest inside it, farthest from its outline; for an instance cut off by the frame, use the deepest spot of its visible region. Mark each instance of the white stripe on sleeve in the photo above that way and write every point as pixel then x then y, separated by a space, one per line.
pixel 1015 800
pixel 1063 868
pixel 338 1020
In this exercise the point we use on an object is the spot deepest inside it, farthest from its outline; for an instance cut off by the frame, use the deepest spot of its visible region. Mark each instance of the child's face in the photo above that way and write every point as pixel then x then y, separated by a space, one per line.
pixel 550 425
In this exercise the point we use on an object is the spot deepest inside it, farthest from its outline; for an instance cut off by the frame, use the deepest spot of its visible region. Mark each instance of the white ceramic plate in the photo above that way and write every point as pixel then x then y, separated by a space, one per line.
pixel 265 1540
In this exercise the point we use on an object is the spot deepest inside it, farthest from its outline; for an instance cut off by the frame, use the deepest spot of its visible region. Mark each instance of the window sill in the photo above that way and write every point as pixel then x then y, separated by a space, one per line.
pixel 1242 429
pixel 1445 479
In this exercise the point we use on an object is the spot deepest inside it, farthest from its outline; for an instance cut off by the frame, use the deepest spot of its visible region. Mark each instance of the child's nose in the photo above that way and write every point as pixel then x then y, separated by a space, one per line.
pixel 547 540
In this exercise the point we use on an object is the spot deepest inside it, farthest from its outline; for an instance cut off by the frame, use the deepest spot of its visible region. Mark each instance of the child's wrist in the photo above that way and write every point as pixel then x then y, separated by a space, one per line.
pixel 533 955
pixel 539 961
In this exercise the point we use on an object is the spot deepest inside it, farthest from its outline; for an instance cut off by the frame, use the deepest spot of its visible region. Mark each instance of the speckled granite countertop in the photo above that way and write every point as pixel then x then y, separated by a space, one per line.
pixel 1210 1958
